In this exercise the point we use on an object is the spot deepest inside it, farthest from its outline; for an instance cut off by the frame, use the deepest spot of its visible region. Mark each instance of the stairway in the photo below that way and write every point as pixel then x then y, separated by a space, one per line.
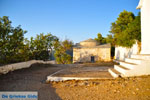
pixel 137 65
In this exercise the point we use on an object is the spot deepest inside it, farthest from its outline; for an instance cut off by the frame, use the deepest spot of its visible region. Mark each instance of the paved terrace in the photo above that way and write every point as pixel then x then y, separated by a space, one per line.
pixel 34 77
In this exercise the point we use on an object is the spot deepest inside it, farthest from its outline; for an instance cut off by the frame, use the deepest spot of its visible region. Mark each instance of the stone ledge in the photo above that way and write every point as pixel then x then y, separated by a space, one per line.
pixel 11 67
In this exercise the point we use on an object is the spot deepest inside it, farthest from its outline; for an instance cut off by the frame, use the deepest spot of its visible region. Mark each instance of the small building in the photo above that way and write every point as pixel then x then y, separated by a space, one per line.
pixel 91 51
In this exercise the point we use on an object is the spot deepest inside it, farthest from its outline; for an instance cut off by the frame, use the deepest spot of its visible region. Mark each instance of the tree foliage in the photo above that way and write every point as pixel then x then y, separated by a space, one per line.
pixel 100 39
pixel 61 51
pixel 11 42
pixel 109 39
pixel 134 28
pixel 126 29
pixel 41 46
pixel 15 48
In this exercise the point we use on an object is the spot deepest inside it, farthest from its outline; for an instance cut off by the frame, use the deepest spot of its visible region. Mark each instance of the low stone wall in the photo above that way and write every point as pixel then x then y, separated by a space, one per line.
pixel 11 67
pixel 121 52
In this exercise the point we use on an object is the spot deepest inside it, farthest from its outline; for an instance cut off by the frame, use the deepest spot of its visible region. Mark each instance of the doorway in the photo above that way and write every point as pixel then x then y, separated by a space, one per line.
pixel 92 59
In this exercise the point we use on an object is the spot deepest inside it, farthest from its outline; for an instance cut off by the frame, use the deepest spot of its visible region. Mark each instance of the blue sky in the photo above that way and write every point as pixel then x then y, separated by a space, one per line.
pixel 76 20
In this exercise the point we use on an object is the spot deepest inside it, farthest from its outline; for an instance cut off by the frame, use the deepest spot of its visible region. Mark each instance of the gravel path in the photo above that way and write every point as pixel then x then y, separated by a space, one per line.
pixel 31 79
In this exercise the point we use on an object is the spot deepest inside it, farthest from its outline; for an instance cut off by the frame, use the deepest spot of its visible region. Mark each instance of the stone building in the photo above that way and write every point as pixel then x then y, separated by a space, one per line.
pixel 91 51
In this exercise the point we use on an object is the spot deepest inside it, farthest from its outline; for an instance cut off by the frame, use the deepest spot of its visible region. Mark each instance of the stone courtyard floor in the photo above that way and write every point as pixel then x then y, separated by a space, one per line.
pixel 81 73
pixel 33 79
pixel 100 72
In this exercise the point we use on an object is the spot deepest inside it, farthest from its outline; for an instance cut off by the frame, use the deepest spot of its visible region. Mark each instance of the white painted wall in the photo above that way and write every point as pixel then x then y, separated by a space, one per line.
pixel 144 5
pixel 11 67
pixel 121 52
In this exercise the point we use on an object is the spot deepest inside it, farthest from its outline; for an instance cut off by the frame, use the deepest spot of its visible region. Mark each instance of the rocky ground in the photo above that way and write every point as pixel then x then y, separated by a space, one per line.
pixel 137 88
pixel 33 79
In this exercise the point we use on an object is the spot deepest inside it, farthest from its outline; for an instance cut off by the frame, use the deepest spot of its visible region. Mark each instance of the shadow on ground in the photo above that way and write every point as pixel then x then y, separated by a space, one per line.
pixel 31 79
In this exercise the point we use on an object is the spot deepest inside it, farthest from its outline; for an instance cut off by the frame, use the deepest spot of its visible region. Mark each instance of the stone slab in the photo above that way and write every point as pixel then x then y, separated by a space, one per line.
pixel 80 73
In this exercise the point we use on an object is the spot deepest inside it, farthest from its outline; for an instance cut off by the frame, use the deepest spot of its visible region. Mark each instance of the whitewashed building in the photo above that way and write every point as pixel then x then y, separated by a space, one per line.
pixel 134 63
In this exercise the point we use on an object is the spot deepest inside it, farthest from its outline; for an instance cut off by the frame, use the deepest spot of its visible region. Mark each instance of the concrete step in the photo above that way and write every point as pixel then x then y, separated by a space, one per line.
pixel 128 65
pixel 141 56
pixel 114 73
pixel 133 60
pixel 121 69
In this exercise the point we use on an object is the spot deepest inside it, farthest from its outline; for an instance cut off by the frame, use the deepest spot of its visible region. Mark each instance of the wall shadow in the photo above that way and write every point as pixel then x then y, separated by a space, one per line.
pixel 31 79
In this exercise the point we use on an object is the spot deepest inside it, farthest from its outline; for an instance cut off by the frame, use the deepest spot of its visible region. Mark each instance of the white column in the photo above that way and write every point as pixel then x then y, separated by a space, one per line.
pixel 145 26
